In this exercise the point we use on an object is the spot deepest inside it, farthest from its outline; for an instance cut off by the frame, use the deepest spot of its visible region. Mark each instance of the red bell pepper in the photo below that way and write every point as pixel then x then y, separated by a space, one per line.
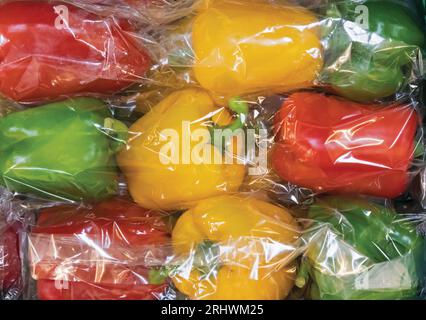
pixel 105 252
pixel 48 50
pixel 78 290
pixel 10 262
pixel 331 145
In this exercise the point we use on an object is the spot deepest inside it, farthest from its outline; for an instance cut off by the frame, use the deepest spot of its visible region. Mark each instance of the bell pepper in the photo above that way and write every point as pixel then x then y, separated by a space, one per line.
pixel 54 49
pixel 389 19
pixel 332 145
pixel 360 250
pixel 10 262
pixel 249 46
pixel 105 251
pixel 236 248
pixel 167 172
pixel 363 66
pixel 62 151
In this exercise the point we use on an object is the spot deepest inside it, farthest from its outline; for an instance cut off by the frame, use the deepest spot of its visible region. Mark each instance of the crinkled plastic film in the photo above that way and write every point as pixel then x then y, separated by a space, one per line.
pixel 62 151
pixel 348 248
pixel 147 12
pixel 346 147
pixel 234 48
pixel 10 281
pixel 11 253
pixel 84 52
pixel 212 150
pixel 117 250
pixel 361 250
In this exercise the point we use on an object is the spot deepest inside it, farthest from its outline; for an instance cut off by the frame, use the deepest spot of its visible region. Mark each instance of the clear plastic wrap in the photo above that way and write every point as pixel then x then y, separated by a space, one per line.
pixel 247 249
pixel 11 280
pixel 61 50
pixel 152 13
pixel 104 251
pixel 226 247
pixel 61 151
pixel 76 150
pixel 327 144
pixel 364 50
pixel 185 149
pixel 357 249
pixel 212 150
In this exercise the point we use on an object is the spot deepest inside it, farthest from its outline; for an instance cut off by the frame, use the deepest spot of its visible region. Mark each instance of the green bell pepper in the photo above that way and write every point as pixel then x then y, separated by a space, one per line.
pixel 389 19
pixel 376 58
pixel 62 151
pixel 360 250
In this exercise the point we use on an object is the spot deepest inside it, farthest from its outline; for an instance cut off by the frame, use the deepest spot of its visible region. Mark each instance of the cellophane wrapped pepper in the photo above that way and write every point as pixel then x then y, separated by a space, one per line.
pixel 10 261
pixel 162 163
pixel 235 248
pixel 329 144
pixel 242 47
pixel 360 250
pixel 60 50
pixel 107 251
pixel 62 151
pixel 372 48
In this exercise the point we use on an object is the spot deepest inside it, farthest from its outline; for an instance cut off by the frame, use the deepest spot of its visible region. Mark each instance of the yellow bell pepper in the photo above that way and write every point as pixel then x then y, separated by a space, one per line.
pixel 167 172
pixel 251 46
pixel 237 248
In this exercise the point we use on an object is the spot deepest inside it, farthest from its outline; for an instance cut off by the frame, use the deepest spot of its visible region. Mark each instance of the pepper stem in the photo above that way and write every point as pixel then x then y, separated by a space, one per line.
pixel 206 260
pixel 158 276
pixel 241 109
pixel 302 275
pixel 419 150
pixel 118 131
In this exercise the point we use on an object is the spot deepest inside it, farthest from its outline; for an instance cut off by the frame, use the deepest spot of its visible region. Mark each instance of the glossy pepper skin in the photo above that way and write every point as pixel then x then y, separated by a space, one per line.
pixel 45 58
pixel 333 145
pixel 61 151
pixel 237 248
pixel 389 19
pixel 101 251
pixel 157 183
pixel 10 261
pixel 375 59
pixel 250 46
pixel 361 250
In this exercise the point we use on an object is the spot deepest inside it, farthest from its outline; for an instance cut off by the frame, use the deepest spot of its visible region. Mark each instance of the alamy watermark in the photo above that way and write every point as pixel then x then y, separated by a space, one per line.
pixel 361 17
pixel 215 146
pixel 62 20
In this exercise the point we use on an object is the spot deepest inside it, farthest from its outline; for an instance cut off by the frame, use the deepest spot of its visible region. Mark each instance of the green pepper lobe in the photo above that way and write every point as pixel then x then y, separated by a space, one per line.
pixel 60 150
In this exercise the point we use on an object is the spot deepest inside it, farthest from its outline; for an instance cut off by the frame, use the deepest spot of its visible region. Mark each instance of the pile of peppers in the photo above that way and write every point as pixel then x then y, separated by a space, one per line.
pixel 131 162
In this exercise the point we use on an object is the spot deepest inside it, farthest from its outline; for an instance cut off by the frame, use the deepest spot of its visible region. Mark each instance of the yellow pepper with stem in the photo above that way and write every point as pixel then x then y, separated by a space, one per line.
pixel 163 163
pixel 235 248
pixel 243 47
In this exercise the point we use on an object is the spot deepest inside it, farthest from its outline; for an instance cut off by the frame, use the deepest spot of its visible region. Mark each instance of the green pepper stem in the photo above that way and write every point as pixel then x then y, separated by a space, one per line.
pixel 241 109
pixel 419 150
pixel 302 275
pixel 206 261
pixel 119 130
pixel 158 276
